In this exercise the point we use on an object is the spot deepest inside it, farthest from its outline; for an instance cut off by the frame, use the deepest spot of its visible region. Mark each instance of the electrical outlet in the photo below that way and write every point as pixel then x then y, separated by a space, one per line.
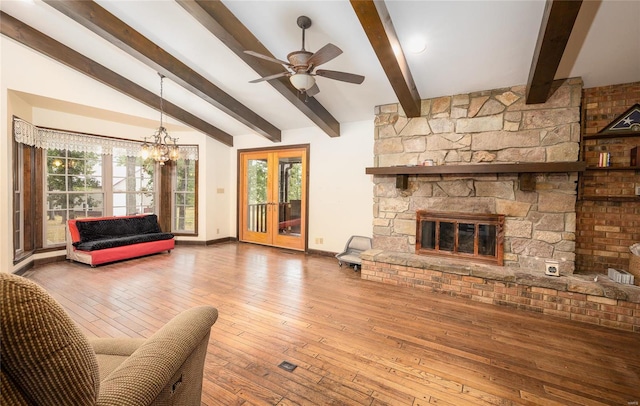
pixel 319 240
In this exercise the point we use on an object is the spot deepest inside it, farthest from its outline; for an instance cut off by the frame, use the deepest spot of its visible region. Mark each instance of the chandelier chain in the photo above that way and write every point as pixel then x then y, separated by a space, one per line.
pixel 163 147
pixel 161 98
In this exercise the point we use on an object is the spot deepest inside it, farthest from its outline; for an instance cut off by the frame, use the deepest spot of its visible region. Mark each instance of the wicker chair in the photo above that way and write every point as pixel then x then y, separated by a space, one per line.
pixel 46 360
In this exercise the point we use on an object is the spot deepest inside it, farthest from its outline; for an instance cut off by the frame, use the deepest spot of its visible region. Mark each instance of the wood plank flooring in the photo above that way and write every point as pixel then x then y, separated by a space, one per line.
pixel 355 342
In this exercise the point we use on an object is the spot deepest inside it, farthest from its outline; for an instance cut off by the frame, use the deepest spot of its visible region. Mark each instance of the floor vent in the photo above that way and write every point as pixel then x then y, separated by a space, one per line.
pixel 287 366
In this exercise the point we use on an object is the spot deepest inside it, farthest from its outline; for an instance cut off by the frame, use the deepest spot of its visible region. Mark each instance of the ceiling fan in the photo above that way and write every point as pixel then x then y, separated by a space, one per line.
pixel 301 65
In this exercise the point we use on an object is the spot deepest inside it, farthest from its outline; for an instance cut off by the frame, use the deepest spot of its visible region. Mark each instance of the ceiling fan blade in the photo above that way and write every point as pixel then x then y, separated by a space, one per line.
pixel 277 75
pixel 267 58
pixel 342 76
pixel 324 54
pixel 313 90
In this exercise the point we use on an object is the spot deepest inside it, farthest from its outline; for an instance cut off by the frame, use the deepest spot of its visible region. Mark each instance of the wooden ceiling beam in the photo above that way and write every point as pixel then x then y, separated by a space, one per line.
pixel 557 23
pixel 376 22
pixel 28 36
pixel 100 21
pixel 219 20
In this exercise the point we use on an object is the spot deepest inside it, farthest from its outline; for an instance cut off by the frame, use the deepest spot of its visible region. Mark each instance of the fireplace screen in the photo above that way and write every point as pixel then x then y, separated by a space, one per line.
pixel 476 237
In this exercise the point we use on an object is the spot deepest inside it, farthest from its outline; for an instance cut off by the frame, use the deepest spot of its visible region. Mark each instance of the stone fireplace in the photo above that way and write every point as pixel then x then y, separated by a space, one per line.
pixel 489 128
pixel 496 156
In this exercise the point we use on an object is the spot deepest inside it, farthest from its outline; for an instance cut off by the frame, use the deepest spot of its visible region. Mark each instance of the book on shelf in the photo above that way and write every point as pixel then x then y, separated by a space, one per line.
pixel 604 159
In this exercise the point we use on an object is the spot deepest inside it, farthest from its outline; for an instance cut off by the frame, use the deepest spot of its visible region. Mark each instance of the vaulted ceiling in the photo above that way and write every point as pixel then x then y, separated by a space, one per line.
pixel 198 45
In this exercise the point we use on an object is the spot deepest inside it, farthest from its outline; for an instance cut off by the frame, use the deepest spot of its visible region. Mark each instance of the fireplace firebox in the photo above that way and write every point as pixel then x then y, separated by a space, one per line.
pixel 475 237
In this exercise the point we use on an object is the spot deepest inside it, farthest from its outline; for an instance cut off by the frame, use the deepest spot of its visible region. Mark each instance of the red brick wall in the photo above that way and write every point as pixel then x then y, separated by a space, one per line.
pixel 606 228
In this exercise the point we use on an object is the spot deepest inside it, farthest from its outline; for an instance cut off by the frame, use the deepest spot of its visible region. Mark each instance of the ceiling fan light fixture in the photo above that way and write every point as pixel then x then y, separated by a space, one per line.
pixel 302 81
pixel 301 65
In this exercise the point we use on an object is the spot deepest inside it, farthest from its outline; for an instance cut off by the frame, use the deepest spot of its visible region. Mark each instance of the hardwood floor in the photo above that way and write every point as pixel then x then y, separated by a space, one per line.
pixel 355 342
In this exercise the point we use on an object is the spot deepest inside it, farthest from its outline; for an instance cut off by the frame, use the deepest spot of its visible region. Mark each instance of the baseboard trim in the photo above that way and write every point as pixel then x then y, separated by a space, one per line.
pixel 48 260
pixel 191 242
pixel 222 240
pixel 206 243
pixel 322 253
pixel 23 269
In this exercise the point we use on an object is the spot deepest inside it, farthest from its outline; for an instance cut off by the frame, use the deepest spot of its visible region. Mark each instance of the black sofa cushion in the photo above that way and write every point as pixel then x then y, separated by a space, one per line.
pixel 118 232
pixel 121 241
pixel 117 227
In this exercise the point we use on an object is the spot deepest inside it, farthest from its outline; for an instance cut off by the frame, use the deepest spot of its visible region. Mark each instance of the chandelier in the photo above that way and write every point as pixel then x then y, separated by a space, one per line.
pixel 162 147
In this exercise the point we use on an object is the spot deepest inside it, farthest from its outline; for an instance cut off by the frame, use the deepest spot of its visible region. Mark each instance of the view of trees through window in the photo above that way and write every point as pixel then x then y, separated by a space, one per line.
pixel 184 196
pixel 71 184
pixel 73 190
pixel 257 181
pixel 287 196
pixel 18 205
pixel 133 185
pixel 293 178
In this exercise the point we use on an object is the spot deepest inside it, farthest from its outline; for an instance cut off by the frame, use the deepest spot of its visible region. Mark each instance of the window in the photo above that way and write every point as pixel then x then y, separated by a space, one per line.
pixel 61 175
pixel 73 190
pixel 27 195
pixel 184 196
pixel 18 205
pixel 133 185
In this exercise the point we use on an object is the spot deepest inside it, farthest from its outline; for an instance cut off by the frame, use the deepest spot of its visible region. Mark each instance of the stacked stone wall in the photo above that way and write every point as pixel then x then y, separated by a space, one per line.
pixel 494 126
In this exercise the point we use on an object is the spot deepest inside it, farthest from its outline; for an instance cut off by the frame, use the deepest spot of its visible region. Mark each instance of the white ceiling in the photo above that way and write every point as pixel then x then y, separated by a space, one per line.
pixel 471 46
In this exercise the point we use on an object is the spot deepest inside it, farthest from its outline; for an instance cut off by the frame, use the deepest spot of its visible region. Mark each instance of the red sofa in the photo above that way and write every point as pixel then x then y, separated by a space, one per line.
pixel 99 240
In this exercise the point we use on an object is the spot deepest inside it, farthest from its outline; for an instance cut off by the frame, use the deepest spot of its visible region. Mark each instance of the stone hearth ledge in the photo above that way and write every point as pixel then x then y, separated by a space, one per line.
pixel 575 283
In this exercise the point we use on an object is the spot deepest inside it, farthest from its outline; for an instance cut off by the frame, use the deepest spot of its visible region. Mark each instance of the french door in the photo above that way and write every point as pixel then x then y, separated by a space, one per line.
pixel 273 197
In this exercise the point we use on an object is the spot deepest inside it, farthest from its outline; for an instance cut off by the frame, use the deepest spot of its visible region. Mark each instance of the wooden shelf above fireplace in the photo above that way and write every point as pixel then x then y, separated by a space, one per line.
pixel 527 167
pixel 403 172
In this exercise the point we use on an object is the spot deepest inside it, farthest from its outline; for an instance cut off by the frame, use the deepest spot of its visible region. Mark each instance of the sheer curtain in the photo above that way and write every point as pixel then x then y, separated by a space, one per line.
pixel 29 134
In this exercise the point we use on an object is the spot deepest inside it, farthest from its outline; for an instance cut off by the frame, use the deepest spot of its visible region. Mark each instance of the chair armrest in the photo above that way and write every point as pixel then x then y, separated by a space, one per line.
pixel 116 346
pixel 141 378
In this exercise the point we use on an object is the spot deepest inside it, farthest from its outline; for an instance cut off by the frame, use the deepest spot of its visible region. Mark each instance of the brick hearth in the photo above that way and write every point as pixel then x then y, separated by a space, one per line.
pixel 573 297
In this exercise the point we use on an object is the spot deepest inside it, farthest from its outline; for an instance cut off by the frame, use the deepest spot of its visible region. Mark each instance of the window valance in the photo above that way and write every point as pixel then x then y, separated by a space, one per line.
pixel 29 134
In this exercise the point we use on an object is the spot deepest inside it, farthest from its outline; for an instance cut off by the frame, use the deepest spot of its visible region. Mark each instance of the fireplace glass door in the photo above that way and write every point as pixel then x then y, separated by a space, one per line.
pixel 466 236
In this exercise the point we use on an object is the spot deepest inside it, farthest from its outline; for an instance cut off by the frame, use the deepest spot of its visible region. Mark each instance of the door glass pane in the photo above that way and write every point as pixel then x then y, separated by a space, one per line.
pixel 257 195
pixel 289 195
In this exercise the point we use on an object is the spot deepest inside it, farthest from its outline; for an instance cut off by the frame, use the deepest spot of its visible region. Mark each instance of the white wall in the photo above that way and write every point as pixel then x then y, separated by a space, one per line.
pixel 340 193
pixel 90 107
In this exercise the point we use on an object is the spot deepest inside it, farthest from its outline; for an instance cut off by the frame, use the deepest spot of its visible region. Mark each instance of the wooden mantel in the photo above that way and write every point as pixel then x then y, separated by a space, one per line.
pixel 527 182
